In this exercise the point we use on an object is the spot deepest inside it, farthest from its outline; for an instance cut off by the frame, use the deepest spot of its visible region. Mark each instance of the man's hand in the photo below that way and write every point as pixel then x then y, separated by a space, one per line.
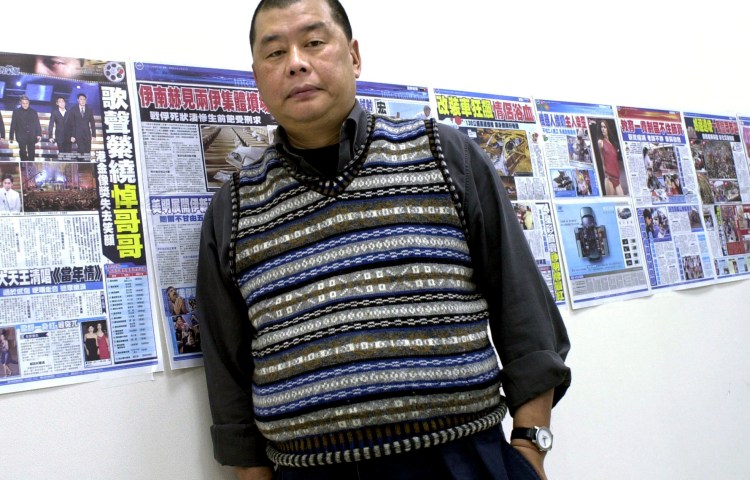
pixel 535 412
pixel 253 473
pixel 532 455
pixel 179 306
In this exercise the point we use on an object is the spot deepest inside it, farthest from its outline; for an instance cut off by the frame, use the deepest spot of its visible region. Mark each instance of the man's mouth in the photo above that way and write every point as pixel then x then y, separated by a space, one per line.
pixel 302 91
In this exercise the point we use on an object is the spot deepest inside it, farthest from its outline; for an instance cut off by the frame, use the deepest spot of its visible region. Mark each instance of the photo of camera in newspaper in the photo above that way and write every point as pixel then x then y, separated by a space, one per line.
pixel 591 239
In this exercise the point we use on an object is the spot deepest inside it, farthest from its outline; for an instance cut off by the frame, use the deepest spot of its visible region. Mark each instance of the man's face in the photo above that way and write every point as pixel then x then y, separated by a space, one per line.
pixel 303 64
pixel 82 101
pixel 58 66
pixel 172 294
pixel 61 102
pixel 24 104
pixel 7 184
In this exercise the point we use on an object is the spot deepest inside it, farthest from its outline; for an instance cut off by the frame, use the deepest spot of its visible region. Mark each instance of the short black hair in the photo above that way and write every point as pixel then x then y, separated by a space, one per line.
pixel 337 13
pixel 7 176
pixel 81 95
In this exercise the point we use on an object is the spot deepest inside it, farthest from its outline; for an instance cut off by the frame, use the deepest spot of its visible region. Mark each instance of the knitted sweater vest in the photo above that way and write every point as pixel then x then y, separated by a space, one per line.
pixel 372 338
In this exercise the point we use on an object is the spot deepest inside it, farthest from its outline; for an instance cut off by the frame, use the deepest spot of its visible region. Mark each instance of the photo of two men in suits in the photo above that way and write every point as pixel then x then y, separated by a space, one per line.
pixel 72 126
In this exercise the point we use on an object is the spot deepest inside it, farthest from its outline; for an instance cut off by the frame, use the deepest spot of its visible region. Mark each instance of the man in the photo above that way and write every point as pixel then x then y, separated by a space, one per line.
pixel 652 229
pixel 25 127
pixel 347 287
pixel 580 149
pixel 179 324
pixel 425 112
pixel 82 126
pixel 651 181
pixel 57 126
pixel 5 150
pixel 177 304
pixel 528 219
pixel 10 200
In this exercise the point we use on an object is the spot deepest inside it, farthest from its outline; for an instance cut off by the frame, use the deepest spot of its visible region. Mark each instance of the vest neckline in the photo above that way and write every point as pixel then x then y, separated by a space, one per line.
pixel 333 186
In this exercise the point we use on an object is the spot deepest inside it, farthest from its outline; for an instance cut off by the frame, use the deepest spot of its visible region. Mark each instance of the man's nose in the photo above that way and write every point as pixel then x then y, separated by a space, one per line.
pixel 297 61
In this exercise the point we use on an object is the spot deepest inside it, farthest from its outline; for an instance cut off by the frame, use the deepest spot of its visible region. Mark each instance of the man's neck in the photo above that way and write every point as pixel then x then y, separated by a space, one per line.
pixel 307 142
pixel 316 134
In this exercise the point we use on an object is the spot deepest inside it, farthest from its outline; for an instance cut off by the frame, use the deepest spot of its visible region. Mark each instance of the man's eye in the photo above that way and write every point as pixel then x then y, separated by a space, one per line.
pixel 275 53
pixel 315 43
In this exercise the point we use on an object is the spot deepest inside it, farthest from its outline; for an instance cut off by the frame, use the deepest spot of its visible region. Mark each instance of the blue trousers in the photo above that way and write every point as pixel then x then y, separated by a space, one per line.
pixel 484 456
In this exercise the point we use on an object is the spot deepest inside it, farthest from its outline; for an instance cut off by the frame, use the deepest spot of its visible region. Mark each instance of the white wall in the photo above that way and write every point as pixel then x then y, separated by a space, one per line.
pixel 661 386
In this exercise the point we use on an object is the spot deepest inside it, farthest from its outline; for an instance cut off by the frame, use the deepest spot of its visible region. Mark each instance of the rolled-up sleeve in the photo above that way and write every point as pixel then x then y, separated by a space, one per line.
pixel 226 336
pixel 526 326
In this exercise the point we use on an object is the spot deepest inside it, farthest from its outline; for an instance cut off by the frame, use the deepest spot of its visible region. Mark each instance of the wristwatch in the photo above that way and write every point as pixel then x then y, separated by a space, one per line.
pixel 539 436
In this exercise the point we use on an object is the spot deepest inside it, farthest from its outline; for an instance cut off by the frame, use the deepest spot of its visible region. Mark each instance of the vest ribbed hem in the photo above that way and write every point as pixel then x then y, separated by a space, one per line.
pixel 401 446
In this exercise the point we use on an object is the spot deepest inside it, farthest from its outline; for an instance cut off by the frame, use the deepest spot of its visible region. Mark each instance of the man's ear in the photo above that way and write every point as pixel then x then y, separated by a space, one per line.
pixel 356 57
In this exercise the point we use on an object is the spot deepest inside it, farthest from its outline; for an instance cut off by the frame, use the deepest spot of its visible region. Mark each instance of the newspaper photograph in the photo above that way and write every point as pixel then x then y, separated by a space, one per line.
pixel 582 149
pixel 506 129
pixel 74 276
pixel 198 126
pixel 724 185
pixel 602 253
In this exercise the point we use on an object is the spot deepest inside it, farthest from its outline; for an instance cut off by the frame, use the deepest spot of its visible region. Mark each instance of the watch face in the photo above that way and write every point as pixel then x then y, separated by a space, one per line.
pixel 544 438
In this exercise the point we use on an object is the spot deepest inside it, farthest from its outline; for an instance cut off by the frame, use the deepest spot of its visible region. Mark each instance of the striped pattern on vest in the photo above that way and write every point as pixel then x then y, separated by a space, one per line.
pixel 371 336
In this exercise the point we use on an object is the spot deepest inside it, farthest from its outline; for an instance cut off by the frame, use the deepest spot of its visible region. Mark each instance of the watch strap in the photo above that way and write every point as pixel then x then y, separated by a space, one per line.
pixel 523 434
